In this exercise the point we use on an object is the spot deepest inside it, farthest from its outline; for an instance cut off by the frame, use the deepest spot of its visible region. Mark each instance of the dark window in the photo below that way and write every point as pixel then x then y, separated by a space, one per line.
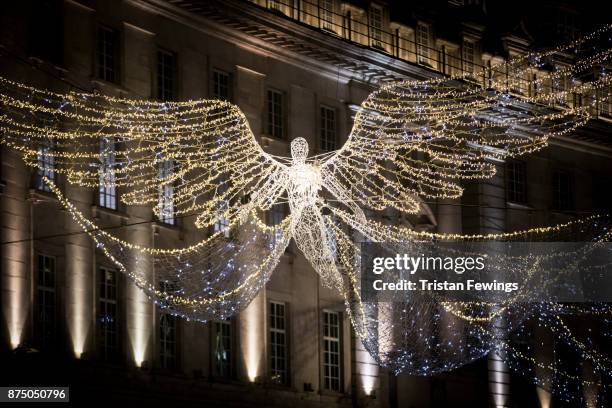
pixel 107 196
pixel 274 218
pixel 166 193
pixel 46 301
pixel 107 54
pixel 46 31
pixel 46 166
pixel 516 187
pixel 168 325
pixel 328 129
pixel 275 114
pixel 107 314
pixel 563 191
pixel 221 86
pixel 222 224
pixel 166 76
pixel 278 343
pixel 332 351
pixel 223 353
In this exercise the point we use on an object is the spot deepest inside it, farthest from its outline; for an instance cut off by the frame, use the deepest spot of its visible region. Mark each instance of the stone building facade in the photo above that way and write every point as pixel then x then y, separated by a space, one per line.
pixel 296 69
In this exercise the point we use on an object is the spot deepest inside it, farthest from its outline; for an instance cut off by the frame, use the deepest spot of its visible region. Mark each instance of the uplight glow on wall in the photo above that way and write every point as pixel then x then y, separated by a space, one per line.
pixel 79 307
pixel 15 290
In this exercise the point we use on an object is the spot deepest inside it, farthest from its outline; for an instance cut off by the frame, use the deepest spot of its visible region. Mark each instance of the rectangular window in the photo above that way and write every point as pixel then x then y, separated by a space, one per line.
pixel 221 86
pixel 326 13
pixel 275 216
pixel 107 313
pixel 468 56
pixel 376 25
pixel 328 129
pixel 107 54
pixel 222 224
pixel 274 5
pixel 46 163
pixel 166 193
pixel 46 310
pixel 563 191
pixel 278 343
pixel 166 76
pixel 516 182
pixel 223 348
pixel 107 197
pixel 275 106
pixel 423 41
pixel 167 332
pixel 331 351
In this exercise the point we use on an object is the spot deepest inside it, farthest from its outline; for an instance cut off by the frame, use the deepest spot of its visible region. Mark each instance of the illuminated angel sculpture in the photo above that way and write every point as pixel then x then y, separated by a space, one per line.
pixel 411 141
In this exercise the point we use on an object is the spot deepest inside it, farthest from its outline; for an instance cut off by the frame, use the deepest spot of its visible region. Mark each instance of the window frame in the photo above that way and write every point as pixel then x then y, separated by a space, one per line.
pixel 102 66
pixel 161 78
pixel 216 73
pixel 326 15
pixel 274 217
pixel 45 338
pixel 323 131
pixel 376 32
pixel 271 114
pixel 468 63
pixel 273 334
pixel 166 194
pixel 423 50
pixel 104 351
pixel 328 340
pixel 512 193
pixel 231 343
pixel 46 160
pixel 168 360
pixel 108 196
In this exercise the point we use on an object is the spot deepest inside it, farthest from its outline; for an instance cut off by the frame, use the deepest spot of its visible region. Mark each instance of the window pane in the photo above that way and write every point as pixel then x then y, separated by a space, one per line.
pixel 107 314
pixel 516 182
pixel 328 129
pixel 275 114
pixel 221 85
pixel 46 163
pixel 108 188
pixel 278 344
pixel 223 349
pixel 45 316
pixel 331 351
pixel 166 76
pixel 166 193
pixel 107 54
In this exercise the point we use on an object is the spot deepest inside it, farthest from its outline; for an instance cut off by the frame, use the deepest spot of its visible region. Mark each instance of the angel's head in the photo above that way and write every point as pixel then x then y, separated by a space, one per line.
pixel 299 149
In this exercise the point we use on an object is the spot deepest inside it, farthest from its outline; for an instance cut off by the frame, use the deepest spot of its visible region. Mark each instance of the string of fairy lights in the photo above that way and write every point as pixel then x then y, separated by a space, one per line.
pixel 411 140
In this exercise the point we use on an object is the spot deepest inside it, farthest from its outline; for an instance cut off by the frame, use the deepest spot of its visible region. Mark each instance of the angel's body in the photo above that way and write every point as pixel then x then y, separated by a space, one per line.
pixel 307 226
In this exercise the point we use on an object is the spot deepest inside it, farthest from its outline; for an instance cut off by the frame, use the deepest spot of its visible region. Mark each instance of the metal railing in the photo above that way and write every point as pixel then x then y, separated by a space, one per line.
pixel 402 45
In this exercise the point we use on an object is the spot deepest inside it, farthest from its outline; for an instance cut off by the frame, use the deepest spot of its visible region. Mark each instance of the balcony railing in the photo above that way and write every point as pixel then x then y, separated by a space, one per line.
pixel 402 45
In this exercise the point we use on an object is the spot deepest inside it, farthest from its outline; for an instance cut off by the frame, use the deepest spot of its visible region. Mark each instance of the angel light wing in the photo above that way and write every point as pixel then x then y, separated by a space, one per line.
pixel 204 150
pixel 181 158
pixel 418 140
